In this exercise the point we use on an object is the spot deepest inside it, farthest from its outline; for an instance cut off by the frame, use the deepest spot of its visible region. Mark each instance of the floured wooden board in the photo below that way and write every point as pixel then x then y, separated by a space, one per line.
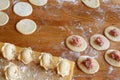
pixel 59 19
pixel 33 70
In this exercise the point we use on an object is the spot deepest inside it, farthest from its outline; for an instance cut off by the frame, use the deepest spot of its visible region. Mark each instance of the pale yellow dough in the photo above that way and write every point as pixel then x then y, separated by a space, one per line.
pixel 25 55
pixel 4 18
pixel 91 3
pixel 106 32
pixel 26 26
pixel 95 64
pixel 63 68
pixel 105 46
pixel 74 48
pixel 22 9
pixel 12 71
pixel 8 51
pixel 38 2
pixel 4 4
pixel 110 60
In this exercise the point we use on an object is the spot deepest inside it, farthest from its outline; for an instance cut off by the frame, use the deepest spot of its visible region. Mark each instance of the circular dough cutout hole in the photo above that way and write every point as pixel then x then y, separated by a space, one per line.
pixel 91 3
pixel 22 9
pixel 106 42
pixel 74 48
pixel 4 4
pixel 4 18
pixel 26 26
pixel 110 60
pixel 95 64
pixel 38 2
pixel 108 29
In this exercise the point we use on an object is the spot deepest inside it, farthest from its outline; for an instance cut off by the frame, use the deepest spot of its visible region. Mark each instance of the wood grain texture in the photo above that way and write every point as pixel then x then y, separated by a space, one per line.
pixel 56 21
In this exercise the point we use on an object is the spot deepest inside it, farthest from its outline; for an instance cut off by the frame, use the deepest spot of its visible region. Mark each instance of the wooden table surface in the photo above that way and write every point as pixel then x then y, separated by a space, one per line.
pixel 56 21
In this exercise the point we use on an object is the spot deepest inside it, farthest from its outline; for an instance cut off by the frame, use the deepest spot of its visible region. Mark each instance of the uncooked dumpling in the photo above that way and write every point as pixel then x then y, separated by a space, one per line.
pixel 38 2
pixel 8 51
pixel 4 4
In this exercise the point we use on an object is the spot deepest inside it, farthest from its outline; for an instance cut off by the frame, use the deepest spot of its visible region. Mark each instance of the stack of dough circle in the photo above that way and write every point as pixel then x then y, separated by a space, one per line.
pixel 4 18
pixel 74 48
pixel 4 4
pixel 63 68
pixel 26 55
pixel 110 60
pixel 12 71
pixel 8 51
pixel 26 26
pixel 38 2
pixel 23 9
pixel 112 38
pixel 91 3
pixel 95 65
pixel 106 43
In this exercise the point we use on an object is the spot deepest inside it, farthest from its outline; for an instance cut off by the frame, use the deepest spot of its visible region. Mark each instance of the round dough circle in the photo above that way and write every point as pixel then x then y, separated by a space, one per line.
pixel 91 3
pixel 38 2
pixel 23 9
pixel 26 26
pixel 4 18
pixel 76 49
pixel 106 32
pixel 4 4
pixel 110 60
pixel 84 69
pixel 105 46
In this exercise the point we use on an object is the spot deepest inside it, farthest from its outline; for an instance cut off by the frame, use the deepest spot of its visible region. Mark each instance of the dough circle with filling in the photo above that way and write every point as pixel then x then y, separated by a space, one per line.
pixel 110 60
pixel 112 38
pixel 106 43
pixel 94 68
pixel 74 48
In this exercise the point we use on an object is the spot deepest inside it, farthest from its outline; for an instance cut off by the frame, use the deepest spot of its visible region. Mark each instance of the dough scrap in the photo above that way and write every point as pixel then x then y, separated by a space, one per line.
pixel 110 60
pixel 26 26
pixel 112 38
pixel 4 18
pixel 105 46
pixel 12 71
pixel 38 2
pixel 45 60
pixel 91 3
pixel 63 68
pixel 25 55
pixel 74 48
pixel 94 68
pixel 8 51
pixel 23 9
pixel 4 4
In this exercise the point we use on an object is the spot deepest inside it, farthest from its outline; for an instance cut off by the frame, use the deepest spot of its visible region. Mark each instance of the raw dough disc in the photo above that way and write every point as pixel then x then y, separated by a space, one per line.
pixel 110 60
pixel 38 2
pixel 4 18
pixel 76 49
pixel 106 32
pixel 91 3
pixel 4 4
pixel 95 64
pixel 23 9
pixel 105 46
pixel 26 26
